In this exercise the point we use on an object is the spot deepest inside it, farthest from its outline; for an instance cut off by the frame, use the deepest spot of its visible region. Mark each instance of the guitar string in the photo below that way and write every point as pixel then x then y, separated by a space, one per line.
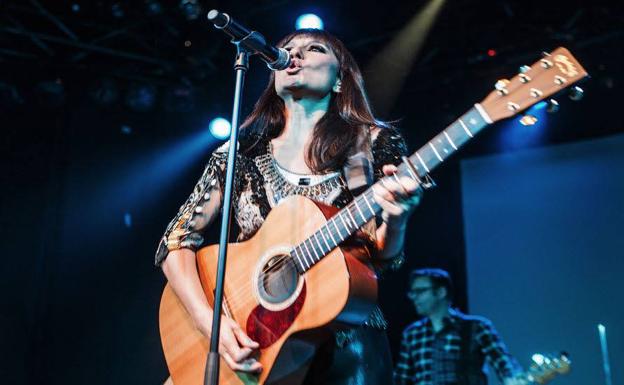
pixel 281 261
pixel 288 257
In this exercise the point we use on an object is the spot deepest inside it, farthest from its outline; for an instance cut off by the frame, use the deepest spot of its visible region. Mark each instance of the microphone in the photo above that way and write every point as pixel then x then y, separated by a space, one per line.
pixel 276 58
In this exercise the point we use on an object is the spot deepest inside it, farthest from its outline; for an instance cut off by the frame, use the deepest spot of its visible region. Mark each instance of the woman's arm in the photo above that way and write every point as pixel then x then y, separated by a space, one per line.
pixel 398 200
pixel 176 255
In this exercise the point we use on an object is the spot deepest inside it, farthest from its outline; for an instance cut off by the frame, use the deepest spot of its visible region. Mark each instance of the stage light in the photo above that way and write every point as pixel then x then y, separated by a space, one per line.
pixel 191 9
pixel 128 220
pixel 117 11
pixel 385 78
pixel 126 130
pixel 153 7
pixel 220 128
pixel 141 97
pixel 180 98
pixel 51 93
pixel 491 52
pixel 309 20
pixel 9 96
pixel 104 92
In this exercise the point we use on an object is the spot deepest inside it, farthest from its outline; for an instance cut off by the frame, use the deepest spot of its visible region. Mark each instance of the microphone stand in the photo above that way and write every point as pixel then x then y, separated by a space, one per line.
pixel 241 65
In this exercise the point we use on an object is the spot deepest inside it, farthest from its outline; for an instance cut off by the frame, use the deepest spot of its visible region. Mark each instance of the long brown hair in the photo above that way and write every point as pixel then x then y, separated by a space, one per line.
pixel 336 133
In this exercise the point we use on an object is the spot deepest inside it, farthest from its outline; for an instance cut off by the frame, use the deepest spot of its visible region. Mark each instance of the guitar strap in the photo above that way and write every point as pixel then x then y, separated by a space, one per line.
pixel 468 369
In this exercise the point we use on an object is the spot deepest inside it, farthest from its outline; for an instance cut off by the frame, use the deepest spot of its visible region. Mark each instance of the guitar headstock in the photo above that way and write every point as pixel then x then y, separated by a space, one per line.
pixel 553 73
pixel 547 366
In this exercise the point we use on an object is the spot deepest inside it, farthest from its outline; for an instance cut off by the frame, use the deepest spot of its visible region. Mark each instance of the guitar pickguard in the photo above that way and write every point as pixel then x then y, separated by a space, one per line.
pixel 267 326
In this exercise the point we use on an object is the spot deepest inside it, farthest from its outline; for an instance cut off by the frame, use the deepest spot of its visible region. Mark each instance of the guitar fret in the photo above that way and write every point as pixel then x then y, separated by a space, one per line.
pixel 435 152
pixel 413 173
pixel 316 254
pixel 422 162
pixel 305 260
pixel 318 243
pixel 309 254
pixel 465 128
pixel 483 114
pixel 355 224
pixel 337 229
pixel 343 222
pixel 325 240
pixel 331 235
pixel 368 204
pixel 297 260
pixel 442 144
pixel 450 140
pixel 360 211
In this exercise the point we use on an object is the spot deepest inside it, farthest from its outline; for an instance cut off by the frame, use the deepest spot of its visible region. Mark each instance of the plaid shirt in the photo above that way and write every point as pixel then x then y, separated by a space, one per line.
pixel 444 358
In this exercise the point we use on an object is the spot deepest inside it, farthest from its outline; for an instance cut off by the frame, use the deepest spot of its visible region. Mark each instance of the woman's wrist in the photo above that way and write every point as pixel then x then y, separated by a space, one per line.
pixel 395 225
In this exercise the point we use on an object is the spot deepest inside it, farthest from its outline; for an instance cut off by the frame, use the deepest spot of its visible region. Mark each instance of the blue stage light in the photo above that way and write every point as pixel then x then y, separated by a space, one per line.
pixel 309 20
pixel 220 128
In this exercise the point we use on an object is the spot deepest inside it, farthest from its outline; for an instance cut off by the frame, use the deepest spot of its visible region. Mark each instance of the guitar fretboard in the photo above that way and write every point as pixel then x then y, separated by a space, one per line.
pixel 364 207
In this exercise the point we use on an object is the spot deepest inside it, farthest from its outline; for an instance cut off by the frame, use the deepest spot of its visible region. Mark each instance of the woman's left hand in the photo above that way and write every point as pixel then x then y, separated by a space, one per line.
pixel 398 197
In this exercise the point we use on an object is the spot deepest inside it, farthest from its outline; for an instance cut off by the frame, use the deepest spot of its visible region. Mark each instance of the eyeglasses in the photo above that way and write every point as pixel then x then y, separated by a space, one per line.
pixel 414 292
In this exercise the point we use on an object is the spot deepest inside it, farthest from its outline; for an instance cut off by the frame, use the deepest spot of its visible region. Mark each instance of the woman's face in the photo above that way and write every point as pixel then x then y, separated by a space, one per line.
pixel 313 70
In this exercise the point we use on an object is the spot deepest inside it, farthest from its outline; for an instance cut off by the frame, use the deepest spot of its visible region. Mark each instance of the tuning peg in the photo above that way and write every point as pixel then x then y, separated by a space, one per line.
pixel 528 120
pixel 524 69
pixel 538 358
pixel 576 93
pixel 553 106
pixel 546 63
pixel 501 86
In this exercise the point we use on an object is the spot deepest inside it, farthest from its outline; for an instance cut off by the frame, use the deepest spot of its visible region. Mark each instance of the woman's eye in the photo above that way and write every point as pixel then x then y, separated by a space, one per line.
pixel 317 48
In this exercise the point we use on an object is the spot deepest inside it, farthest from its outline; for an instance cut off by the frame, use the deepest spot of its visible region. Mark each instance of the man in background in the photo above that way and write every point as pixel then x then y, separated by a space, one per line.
pixel 448 347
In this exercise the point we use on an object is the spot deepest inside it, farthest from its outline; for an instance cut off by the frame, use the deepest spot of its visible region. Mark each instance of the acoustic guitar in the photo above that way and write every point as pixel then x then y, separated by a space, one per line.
pixel 303 272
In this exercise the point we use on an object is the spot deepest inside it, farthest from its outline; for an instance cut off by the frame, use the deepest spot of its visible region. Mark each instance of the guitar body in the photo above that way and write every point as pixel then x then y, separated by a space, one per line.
pixel 287 313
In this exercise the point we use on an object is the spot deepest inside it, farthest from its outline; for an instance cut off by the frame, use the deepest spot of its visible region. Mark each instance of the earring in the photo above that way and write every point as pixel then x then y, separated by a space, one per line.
pixel 336 87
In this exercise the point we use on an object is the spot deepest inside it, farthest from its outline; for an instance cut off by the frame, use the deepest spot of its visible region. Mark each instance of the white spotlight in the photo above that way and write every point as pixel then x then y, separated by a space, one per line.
pixel 309 20
pixel 220 128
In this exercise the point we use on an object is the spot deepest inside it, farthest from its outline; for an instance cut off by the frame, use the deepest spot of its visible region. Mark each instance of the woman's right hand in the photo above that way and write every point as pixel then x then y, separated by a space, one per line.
pixel 235 346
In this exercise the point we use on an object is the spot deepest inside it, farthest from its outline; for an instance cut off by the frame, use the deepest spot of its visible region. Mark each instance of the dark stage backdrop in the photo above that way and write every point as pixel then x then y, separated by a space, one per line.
pixel 545 251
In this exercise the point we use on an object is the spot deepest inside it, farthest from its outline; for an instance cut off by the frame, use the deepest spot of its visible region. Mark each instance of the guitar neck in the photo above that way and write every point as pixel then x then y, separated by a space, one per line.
pixel 364 207
pixel 447 142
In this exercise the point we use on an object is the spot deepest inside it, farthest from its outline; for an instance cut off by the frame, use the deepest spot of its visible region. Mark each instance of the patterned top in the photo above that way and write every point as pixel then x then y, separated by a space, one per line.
pixel 454 355
pixel 258 187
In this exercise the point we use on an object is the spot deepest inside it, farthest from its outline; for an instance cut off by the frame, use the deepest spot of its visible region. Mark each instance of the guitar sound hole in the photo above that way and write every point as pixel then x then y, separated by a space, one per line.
pixel 278 280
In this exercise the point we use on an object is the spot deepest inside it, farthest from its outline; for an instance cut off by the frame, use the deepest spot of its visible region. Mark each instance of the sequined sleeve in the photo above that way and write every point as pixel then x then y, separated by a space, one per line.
pixel 388 148
pixel 186 229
